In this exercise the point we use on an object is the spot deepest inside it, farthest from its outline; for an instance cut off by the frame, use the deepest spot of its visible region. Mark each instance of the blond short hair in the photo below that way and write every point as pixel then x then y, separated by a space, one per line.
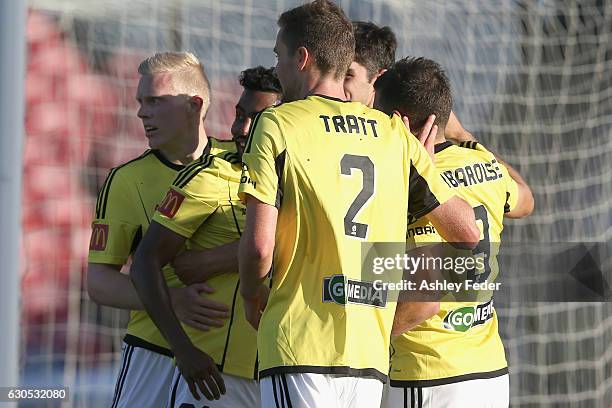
pixel 188 75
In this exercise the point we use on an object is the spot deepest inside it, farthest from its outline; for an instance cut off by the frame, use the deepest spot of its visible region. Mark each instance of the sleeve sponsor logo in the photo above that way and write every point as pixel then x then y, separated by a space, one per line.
pixel 171 203
pixel 99 237
pixel 340 290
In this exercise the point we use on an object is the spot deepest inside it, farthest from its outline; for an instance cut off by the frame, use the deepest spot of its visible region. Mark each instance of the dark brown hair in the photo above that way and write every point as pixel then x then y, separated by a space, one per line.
pixel 325 31
pixel 417 88
pixel 374 46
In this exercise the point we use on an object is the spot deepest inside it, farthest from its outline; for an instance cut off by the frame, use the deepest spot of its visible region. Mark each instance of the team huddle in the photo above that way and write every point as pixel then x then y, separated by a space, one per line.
pixel 233 244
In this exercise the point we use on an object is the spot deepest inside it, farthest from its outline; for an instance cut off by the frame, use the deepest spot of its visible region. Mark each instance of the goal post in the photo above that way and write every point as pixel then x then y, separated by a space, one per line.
pixel 12 69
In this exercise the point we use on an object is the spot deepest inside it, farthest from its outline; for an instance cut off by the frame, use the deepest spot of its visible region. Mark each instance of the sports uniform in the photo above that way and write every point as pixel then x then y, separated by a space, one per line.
pixel 124 209
pixel 202 205
pixel 456 358
pixel 338 172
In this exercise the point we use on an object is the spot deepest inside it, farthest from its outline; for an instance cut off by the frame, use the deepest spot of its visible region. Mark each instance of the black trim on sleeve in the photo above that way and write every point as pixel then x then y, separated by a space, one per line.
pixel 420 198
pixel 344 370
pixel 449 380
pixel 279 165
pixel 507 204
pixel 247 148
pixel 138 342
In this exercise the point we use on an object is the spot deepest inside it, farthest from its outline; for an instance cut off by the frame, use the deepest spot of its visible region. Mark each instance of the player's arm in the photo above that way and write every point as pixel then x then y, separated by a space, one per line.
pixel 255 256
pixel 411 314
pixel 158 247
pixel 195 266
pixel 452 217
pixel 525 202
pixel 455 222
pixel 261 190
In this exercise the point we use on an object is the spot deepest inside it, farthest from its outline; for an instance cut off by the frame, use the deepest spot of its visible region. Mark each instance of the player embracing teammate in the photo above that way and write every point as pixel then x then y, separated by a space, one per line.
pixel 321 174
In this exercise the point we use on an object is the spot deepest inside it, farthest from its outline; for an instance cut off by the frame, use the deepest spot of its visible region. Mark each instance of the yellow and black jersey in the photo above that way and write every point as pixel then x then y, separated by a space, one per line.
pixel 461 342
pixel 202 205
pixel 126 203
pixel 339 173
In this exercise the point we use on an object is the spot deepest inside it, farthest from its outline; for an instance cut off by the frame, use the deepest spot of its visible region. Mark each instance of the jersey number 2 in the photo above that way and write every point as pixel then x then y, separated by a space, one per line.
pixel 363 163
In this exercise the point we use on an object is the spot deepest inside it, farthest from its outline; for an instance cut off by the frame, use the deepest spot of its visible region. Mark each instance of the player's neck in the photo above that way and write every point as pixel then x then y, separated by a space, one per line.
pixel 440 138
pixel 324 86
pixel 190 149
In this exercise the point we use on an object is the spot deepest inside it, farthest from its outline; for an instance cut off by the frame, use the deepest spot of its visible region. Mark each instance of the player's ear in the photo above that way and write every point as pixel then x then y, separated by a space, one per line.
pixel 196 103
pixel 303 58
pixel 377 75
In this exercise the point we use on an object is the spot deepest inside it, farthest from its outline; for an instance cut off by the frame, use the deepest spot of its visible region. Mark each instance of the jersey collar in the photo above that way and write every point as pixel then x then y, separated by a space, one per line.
pixel 441 146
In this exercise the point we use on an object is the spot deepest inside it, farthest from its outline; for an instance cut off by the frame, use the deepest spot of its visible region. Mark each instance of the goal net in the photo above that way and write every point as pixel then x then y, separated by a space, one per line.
pixel 531 79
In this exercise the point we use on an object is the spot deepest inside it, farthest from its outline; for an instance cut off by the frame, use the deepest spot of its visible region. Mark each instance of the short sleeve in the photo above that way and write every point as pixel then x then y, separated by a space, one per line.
pixel 426 189
pixel 263 161
pixel 113 232
pixel 184 209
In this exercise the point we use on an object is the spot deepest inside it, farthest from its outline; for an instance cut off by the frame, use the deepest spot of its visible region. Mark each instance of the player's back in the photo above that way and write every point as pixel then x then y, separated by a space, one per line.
pixel 339 178
pixel 462 339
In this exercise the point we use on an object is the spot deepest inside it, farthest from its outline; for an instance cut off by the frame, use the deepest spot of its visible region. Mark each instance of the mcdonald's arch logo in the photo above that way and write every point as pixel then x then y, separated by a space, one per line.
pixel 99 237
pixel 171 204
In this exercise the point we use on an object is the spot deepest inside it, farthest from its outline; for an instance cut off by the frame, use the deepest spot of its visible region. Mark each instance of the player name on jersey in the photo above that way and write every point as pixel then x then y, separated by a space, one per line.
pixel 349 124
pixel 472 174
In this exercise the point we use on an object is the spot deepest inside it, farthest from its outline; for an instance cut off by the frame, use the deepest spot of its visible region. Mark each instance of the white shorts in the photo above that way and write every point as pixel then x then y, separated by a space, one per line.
pixel 144 378
pixel 310 390
pixel 239 393
pixel 479 393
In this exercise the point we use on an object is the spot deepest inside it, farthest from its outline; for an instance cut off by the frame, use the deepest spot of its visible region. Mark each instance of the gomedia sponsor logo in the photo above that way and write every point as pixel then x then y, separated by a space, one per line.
pixel 341 290
pixel 171 203
pixel 464 318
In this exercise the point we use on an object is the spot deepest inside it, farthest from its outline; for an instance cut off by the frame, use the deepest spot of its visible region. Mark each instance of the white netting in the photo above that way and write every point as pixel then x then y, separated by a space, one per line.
pixel 532 80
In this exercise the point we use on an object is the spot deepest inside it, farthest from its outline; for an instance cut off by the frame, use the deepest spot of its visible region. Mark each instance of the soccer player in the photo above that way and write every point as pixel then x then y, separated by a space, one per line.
pixel 445 362
pixel 202 209
pixel 261 89
pixel 321 176
pixel 173 94
pixel 374 54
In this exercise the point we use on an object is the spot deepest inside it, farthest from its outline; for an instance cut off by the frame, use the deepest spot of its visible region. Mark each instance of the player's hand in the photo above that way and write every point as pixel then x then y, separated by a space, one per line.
pixel 197 311
pixel 255 305
pixel 200 373
pixel 188 267
pixel 427 135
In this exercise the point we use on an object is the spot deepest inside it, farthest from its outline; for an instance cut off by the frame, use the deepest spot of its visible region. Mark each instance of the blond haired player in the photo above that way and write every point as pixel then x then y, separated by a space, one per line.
pixel 202 210
pixel 451 360
pixel 322 175
pixel 173 94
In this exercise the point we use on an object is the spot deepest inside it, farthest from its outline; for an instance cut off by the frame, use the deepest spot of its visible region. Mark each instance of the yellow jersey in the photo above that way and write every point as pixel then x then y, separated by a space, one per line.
pixel 461 342
pixel 202 205
pixel 338 172
pixel 124 209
